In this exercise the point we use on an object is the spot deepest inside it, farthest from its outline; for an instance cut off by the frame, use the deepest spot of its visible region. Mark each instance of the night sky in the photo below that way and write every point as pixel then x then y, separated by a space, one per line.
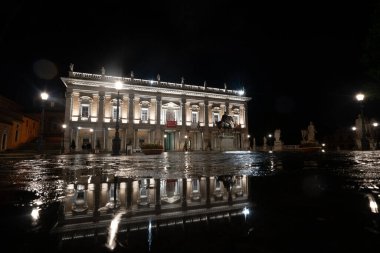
pixel 299 62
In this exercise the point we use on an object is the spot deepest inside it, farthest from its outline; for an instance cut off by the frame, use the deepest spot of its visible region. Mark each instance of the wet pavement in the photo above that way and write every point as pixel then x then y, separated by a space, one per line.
pixel 193 201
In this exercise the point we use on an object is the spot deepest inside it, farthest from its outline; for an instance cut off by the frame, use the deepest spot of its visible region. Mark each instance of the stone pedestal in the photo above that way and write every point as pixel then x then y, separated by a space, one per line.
pixel 226 142
pixel 277 146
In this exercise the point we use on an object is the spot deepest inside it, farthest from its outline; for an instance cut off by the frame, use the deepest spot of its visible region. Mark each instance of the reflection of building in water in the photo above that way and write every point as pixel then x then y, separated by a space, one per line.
pixel 150 111
pixel 160 200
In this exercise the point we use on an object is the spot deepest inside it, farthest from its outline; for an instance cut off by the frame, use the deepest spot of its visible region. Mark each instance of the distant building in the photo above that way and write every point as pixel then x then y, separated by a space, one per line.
pixel 16 127
pixel 173 114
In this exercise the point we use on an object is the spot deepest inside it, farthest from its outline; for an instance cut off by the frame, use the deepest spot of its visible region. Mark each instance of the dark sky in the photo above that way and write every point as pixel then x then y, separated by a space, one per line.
pixel 299 62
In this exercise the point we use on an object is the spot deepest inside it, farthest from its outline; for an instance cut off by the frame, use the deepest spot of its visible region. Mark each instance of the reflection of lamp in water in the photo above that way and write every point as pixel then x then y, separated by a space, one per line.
pixel 245 212
pixel 112 231
pixel 35 215
pixel 364 142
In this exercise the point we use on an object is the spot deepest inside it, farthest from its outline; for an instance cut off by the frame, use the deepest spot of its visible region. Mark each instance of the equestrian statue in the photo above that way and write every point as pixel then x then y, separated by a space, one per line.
pixel 227 122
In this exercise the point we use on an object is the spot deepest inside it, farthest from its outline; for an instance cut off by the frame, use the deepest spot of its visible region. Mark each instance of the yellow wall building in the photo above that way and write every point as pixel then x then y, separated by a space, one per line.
pixel 16 128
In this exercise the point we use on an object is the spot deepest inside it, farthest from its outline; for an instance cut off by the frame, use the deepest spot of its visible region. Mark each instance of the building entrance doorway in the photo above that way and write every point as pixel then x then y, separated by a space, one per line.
pixel 169 141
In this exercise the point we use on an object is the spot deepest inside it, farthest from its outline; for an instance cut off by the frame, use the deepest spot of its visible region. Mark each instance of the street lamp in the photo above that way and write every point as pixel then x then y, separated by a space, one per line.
pixel 375 125
pixel 116 142
pixel 360 98
pixel 270 142
pixel 44 97
pixel 165 140
pixel 63 138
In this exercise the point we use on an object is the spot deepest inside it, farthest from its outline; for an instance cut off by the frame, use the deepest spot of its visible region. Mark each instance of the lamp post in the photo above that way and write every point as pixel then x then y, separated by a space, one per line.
pixel 63 138
pixel 270 142
pixel 375 125
pixel 364 142
pixel 165 140
pixel 116 142
pixel 44 97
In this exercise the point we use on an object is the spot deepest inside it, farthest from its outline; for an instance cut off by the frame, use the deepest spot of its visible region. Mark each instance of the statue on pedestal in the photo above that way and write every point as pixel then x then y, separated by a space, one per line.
pixel 311 132
pixel 227 122
pixel 277 134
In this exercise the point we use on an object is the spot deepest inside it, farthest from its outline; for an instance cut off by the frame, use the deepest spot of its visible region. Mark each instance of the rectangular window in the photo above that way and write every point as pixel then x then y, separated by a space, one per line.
pixel 238 183
pixel 217 185
pixel 236 119
pixel 144 114
pixel 194 117
pixel 195 185
pixel 216 117
pixel 85 111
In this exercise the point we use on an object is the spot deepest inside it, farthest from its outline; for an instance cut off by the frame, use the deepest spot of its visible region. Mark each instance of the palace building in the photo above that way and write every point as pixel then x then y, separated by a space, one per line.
pixel 176 115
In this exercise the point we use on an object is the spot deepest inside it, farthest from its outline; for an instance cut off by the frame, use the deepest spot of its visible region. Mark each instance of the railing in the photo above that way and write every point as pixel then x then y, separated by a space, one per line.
pixel 171 123
pixel 153 83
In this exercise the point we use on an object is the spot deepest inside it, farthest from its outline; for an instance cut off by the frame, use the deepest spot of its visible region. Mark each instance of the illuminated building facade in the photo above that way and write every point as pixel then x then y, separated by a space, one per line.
pixel 151 111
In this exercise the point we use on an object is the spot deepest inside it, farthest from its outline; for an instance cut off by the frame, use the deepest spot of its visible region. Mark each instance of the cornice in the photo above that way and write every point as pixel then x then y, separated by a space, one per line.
pixel 140 85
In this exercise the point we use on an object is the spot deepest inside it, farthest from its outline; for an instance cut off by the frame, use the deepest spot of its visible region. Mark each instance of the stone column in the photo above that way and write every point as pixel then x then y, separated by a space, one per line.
pixel 206 113
pixel 100 126
pixel 158 194
pixel 245 129
pixel 129 193
pixel 183 128
pixel 97 186
pixel 158 120
pixel 76 134
pixel 105 139
pixel 206 133
pixel 68 111
pixel 183 106
pixel 184 193
pixel 208 199
pixel 130 119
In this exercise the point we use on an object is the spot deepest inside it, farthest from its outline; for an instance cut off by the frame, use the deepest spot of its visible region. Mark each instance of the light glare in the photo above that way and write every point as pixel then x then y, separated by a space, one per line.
pixel 360 97
pixel 44 96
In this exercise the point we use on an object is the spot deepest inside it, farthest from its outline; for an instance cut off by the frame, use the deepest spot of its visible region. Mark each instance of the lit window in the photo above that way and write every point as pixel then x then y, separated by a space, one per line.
pixel 236 119
pixel 195 185
pixel 217 185
pixel 216 117
pixel 194 117
pixel 85 112
pixel 144 114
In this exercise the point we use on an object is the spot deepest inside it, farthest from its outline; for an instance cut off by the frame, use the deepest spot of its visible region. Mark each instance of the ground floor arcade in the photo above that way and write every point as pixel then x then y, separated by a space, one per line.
pixel 99 138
